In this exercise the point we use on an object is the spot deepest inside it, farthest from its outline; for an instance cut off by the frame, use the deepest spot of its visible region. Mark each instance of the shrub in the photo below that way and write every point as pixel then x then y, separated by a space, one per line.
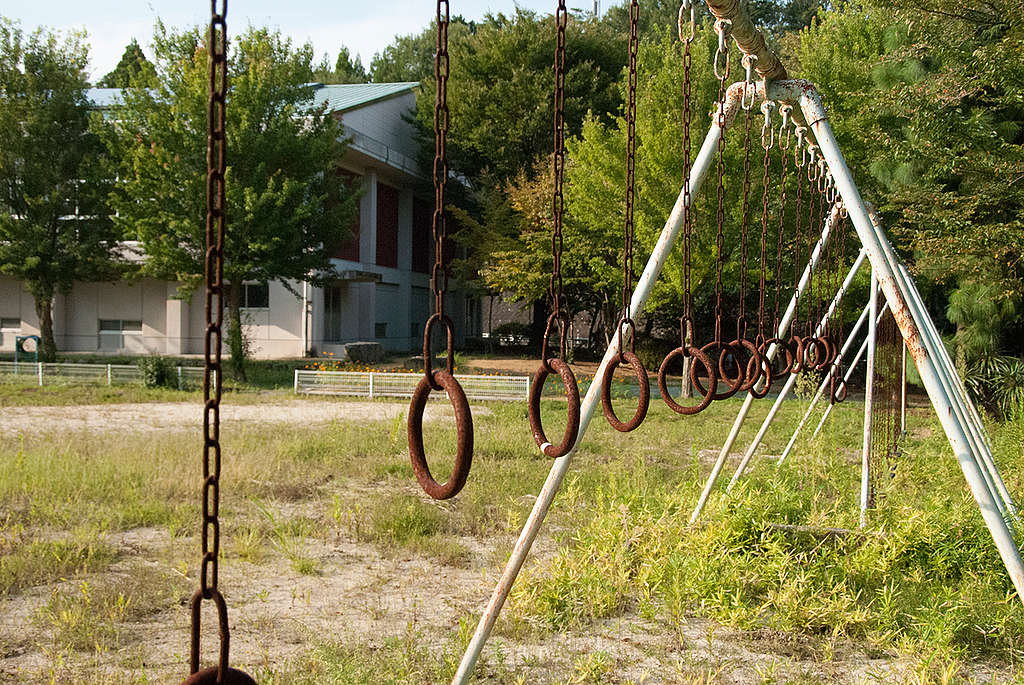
pixel 157 372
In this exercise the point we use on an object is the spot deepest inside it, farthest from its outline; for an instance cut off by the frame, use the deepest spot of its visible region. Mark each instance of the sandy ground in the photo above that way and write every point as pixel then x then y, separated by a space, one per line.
pixel 163 415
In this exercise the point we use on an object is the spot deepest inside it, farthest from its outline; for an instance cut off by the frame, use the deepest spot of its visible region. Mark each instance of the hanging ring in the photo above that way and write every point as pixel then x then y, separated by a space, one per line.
pixel 221 674
pixel 572 392
pixel 696 354
pixel 606 392
pixel 782 351
pixel 748 82
pixel 827 355
pixel 722 28
pixel 750 375
pixel 719 350
pixel 428 355
pixel 795 347
pixel 763 372
pixel 692 6
pixel 820 177
pixel 838 389
pixel 464 431
pixel 767 132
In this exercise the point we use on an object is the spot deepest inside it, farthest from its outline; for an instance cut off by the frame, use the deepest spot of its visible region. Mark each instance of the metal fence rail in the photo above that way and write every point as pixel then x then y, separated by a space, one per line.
pixel 65 372
pixel 380 384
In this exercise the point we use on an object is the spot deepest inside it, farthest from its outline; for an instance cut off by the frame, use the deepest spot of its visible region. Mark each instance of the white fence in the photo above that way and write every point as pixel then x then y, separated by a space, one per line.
pixel 60 372
pixel 377 384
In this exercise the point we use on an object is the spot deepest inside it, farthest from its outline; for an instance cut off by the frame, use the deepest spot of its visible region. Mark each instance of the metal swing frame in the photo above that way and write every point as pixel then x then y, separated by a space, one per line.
pixel 958 416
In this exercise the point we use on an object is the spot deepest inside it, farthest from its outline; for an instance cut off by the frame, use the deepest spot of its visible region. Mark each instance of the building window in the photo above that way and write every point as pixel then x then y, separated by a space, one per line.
pixel 255 296
pixel 387 226
pixel 350 248
pixel 10 324
pixel 380 330
pixel 422 234
pixel 332 313
pixel 116 334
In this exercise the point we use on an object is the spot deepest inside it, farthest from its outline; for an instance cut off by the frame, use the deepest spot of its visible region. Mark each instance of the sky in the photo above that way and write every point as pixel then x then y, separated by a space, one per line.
pixel 364 26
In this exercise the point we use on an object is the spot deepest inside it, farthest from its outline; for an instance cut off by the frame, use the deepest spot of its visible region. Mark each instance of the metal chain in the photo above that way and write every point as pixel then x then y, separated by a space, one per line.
pixel 784 143
pixel 798 239
pixel 812 227
pixel 688 216
pixel 721 28
pixel 741 318
pixel 765 181
pixel 627 250
pixel 216 166
pixel 558 199
pixel 439 276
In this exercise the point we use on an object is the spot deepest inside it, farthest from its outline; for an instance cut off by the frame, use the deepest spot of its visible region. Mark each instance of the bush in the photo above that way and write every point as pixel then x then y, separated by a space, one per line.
pixel 512 334
pixel 157 372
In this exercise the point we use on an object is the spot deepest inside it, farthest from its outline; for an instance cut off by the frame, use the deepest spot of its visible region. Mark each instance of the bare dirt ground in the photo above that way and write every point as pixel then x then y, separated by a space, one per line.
pixel 161 416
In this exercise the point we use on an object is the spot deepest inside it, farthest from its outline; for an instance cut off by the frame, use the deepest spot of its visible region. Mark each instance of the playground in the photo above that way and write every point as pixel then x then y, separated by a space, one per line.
pixel 343 571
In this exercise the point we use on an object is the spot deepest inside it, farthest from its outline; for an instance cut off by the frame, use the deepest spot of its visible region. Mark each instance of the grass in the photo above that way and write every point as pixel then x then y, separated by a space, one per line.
pixel 930 588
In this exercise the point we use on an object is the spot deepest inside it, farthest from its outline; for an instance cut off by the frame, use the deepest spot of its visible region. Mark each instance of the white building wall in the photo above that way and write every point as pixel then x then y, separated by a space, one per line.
pixel 383 121
pixel 16 303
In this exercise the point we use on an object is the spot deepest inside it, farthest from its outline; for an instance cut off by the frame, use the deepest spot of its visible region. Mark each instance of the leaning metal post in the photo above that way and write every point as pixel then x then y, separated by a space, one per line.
pixel 720 120
pixel 791 381
pixel 882 309
pixel 929 355
pixel 869 398
pixel 787 318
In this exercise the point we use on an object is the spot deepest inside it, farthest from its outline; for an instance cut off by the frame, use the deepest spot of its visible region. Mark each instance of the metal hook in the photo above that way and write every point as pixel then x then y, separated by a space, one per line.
pixel 785 135
pixel 748 82
pixel 692 6
pixel 722 28
pixel 800 132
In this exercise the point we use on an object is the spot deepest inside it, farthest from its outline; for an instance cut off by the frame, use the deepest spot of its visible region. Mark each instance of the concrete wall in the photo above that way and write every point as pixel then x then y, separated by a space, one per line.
pixel 16 303
pixel 383 121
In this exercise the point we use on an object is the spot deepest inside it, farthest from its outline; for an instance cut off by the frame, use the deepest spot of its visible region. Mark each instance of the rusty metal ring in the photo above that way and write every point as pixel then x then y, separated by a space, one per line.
pixel 428 355
pixel 781 348
pixel 222 673
pixel 795 346
pixel 751 375
pixel 765 371
pixel 463 426
pixel 706 397
pixel 825 343
pixel 839 390
pixel 572 427
pixel 606 392
pixel 733 384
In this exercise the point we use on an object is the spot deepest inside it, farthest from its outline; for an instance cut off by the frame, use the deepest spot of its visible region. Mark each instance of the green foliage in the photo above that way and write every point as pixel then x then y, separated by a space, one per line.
pixel 132 70
pixel 49 171
pixel 287 207
pixel 347 69
pixel 157 372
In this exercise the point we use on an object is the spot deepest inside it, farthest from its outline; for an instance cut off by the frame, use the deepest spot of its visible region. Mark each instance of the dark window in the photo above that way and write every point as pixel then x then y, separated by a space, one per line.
pixel 350 248
pixel 387 226
pixel 422 229
pixel 10 324
pixel 255 296
pixel 380 330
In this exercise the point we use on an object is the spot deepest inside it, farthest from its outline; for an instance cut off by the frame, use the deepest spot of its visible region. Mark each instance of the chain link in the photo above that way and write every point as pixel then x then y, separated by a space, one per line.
pixel 780 238
pixel 722 27
pixel 439 275
pixel 765 181
pixel 798 219
pixel 627 250
pixel 686 323
pixel 216 166
pixel 741 317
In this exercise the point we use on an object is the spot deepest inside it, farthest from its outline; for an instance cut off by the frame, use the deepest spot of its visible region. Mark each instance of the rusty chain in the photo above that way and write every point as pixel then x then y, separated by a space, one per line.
pixel 763 276
pixel 721 28
pixel 629 229
pixel 783 148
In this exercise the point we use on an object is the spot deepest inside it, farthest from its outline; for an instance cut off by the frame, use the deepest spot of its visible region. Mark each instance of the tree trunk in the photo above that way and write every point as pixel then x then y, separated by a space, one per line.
pixel 47 346
pixel 236 337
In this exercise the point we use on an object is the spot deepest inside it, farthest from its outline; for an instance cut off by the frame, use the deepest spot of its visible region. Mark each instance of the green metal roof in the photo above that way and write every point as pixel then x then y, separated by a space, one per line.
pixel 341 97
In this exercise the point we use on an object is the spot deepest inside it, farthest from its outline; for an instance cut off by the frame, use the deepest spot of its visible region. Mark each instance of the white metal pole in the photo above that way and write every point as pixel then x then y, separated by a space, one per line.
pixel 791 381
pixel 39 368
pixel 669 233
pixel 884 261
pixel 869 396
pixel 787 318
pixel 903 389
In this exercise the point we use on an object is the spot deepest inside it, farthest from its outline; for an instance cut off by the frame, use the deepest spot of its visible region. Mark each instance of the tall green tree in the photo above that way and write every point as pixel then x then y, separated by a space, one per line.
pixel 347 69
pixel 411 57
pixel 288 208
pixel 132 69
pixel 54 228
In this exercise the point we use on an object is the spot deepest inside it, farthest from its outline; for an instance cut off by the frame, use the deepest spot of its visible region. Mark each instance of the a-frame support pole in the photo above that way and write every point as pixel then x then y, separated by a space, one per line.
pixel 791 381
pixel 931 357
